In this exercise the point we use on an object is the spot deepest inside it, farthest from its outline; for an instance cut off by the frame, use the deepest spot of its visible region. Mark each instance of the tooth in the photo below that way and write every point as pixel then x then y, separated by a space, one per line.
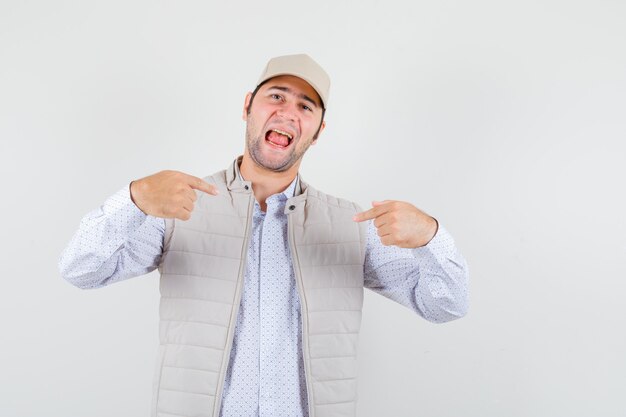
pixel 282 133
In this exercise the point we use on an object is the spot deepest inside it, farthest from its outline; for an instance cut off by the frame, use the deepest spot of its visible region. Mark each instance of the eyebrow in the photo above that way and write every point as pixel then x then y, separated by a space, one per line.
pixel 289 90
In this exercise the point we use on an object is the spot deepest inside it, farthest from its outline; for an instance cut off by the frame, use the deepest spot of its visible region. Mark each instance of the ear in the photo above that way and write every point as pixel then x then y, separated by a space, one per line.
pixel 246 104
pixel 319 133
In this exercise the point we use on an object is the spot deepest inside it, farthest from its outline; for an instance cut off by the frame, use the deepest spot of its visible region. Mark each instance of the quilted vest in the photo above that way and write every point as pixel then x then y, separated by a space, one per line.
pixel 202 270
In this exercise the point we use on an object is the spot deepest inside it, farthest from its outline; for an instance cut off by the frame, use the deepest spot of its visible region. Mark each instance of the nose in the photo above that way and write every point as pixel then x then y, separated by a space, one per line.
pixel 287 111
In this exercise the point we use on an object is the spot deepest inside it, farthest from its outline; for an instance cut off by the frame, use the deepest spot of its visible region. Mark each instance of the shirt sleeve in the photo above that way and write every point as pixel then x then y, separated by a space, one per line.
pixel 114 242
pixel 431 280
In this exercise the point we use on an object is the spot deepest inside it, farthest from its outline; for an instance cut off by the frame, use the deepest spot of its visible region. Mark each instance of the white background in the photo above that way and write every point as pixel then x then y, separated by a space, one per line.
pixel 505 120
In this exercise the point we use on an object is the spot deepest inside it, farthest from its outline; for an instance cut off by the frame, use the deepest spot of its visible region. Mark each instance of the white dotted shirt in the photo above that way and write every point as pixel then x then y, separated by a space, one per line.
pixel 265 376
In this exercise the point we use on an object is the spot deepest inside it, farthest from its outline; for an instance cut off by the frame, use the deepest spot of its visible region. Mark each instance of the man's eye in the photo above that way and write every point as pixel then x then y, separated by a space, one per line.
pixel 307 108
pixel 275 96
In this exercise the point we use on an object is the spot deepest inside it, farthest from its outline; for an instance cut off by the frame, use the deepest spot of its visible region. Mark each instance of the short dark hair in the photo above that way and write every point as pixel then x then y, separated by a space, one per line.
pixel 257 89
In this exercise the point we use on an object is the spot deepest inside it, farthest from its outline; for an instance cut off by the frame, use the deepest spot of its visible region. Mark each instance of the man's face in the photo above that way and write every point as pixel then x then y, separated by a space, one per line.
pixel 282 122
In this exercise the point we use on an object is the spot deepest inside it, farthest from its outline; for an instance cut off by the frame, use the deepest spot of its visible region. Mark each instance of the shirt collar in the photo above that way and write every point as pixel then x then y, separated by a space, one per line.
pixel 289 191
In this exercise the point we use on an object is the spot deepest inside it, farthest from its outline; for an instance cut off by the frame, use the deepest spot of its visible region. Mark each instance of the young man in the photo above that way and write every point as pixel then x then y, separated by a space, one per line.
pixel 262 275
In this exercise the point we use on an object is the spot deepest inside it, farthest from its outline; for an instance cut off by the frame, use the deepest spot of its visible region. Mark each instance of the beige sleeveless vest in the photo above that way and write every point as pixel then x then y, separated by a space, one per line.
pixel 202 271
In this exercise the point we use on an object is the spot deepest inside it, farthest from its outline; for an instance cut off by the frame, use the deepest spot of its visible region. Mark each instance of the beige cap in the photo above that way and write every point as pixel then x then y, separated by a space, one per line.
pixel 302 66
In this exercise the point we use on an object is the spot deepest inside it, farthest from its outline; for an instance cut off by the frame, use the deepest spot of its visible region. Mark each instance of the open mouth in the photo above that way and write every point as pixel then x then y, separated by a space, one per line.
pixel 278 138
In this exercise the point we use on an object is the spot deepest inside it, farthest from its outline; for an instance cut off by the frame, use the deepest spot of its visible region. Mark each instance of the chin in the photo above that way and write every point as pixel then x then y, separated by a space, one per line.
pixel 271 164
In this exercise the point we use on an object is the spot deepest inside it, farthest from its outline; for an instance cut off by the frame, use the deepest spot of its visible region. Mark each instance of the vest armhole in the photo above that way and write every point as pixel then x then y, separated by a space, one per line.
pixel 167 236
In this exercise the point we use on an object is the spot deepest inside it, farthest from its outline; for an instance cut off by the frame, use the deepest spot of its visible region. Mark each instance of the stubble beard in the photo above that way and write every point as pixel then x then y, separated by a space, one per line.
pixel 255 140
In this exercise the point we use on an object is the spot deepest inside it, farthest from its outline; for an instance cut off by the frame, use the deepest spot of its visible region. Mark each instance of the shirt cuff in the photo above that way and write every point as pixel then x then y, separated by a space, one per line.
pixel 441 246
pixel 125 213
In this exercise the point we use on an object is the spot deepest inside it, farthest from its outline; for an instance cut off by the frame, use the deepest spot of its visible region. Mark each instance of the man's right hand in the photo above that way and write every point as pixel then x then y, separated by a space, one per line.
pixel 168 194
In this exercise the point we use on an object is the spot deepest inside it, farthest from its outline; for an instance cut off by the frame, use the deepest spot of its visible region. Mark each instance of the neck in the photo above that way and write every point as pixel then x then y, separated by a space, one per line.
pixel 266 182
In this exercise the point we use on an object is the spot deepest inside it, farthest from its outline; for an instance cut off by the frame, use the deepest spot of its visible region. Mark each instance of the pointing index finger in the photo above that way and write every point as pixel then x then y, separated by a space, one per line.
pixel 380 207
pixel 365 215
pixel 369 214
pixel 200 184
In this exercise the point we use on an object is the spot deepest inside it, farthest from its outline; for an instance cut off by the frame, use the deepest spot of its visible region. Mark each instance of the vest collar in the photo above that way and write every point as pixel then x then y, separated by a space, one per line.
pixel 235 183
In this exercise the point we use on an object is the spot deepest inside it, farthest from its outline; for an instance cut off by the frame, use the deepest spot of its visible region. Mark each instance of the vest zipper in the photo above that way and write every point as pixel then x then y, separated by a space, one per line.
pixel 238 295
pixel 305 341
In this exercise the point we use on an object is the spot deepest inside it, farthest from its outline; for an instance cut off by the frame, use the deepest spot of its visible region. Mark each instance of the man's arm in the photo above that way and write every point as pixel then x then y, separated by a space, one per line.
pixel 431 280
pixel 114 242
pixel 124 237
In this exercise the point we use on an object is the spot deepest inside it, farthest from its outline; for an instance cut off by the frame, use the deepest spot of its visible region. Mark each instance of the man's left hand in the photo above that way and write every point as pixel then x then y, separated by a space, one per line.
pixel 400 223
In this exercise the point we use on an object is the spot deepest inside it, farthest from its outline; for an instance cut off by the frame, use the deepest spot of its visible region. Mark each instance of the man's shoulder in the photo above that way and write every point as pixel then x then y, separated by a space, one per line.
pixel 216 177
pixel 339 210
pixel 340 203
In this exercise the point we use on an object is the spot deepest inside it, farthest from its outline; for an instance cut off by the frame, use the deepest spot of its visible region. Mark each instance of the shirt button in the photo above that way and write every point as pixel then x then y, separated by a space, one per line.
pixel 292 207
pixel 246 187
